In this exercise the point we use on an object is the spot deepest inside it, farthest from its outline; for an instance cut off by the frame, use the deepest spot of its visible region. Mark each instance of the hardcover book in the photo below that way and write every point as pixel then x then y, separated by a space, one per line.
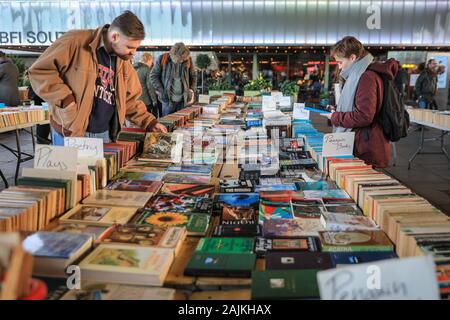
pixel 98 215
pixel 125 264
pixel 118 198
pixel 145 235
pixel 135 185
pixel 285 284
pixel 263 245
pixel 247 230
pixel 196 224
pixel 225 245
pixel 298 260
pixel 193 190
pixel 221 265
pixel 355 241
pixel 180 203
pixel 284 228
pixel 346 222
pixel 163 147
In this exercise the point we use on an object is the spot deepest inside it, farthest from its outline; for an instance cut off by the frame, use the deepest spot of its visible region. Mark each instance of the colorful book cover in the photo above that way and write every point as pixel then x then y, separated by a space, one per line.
pixel 350 208
pixel 274 210
pixel 284 228
pixel 93 230
pixel 243 230
pixel 317 185
pixel 165 147
pixel 149 176
pixel 263 245
pixel 55 244
pixel 98 215
pixel 196 224
pixel 194 190
pixel 182 178
pixel 144 235
pixel 346 222
pixel 190 169
pixel 307 208
pixel 180 203
pixel 239 199
pixel 122 263
pixel 238 213
pixel 135 185
pixel 331 193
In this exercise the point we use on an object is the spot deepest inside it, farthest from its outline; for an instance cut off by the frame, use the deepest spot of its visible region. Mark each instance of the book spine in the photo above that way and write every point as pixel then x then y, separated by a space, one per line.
pixel 326 248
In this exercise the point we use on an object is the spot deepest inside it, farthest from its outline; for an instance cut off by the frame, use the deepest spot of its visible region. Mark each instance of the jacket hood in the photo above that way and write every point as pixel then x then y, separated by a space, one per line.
pixel 389 68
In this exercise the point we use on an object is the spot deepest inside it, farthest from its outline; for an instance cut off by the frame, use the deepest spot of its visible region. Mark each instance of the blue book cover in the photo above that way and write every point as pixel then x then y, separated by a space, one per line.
pixel 194 169
pixel 343 258
pixel 55 244
pixel 239 199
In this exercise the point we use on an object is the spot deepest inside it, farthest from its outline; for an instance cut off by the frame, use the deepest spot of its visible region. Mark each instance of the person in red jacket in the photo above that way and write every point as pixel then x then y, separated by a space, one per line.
pixel 361 100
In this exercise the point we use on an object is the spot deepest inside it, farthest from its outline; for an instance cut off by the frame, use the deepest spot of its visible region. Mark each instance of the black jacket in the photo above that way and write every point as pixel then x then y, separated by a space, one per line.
pixel 426 84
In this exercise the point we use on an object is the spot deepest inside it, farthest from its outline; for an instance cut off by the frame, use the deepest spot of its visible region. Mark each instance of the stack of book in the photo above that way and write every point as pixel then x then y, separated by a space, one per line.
pixel 13 116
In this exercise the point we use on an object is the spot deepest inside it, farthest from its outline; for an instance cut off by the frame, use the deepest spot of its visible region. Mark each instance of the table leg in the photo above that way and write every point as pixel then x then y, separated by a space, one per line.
pixel 4 179
pixel 32 139
pixel 419 149
pixel 19 156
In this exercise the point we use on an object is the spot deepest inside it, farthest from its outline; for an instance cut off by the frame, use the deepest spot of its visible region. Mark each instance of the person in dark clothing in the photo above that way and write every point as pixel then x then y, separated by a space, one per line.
pixel 174 79
pixel 143 69
pixel 9 81
pixel 401 80
pixel 42 130
pixel 426 86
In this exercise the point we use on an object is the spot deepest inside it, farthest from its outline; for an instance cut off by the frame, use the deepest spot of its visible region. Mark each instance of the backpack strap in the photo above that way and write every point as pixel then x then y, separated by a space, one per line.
pixel 164 58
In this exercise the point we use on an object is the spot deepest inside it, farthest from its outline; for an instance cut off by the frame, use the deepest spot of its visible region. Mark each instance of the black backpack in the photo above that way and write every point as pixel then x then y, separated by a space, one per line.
pixel 393 117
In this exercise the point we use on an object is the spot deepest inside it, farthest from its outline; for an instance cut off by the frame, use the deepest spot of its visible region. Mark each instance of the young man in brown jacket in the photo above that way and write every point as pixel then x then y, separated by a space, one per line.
pixel 89 83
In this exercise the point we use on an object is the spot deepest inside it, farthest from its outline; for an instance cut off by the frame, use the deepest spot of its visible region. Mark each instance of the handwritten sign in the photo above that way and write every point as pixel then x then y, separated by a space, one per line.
pixel 395 279
pixel 300 113
pixel 87 147
pixel 268 103
pixel 338 144
pixel 284 101
pixel 204 98
pixel 55 158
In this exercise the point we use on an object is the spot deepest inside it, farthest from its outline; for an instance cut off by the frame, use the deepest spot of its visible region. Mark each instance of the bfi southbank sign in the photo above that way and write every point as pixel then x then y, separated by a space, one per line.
pixel 233 22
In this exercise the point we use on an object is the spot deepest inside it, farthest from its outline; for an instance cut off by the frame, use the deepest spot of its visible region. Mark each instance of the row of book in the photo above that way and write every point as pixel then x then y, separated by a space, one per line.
pixel 12 116
pixel 411 222
pixel 440 118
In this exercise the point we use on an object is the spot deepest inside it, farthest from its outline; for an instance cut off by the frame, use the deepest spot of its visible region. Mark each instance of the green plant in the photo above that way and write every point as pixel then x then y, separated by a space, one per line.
pixel 258 84
pixel 324 95
pixel 220 84
pixel 203 61
pixel 289 88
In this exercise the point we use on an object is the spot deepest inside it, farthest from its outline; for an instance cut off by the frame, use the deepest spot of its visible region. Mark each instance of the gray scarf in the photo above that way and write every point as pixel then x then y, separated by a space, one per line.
pixel 351 75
